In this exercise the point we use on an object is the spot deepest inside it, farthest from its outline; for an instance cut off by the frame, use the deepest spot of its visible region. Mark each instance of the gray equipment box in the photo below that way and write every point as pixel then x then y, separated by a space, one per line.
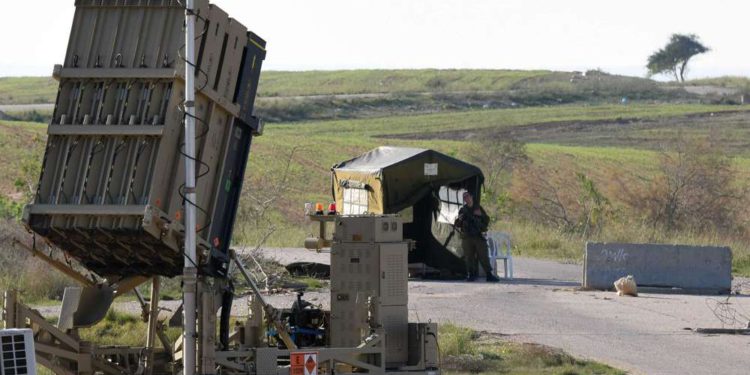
pixel 110 189
pixel 370 278
pixel 369 228
pixel 423 350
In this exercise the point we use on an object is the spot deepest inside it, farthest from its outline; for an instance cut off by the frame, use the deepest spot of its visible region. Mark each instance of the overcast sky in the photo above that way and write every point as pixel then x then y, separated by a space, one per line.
pixel 616 36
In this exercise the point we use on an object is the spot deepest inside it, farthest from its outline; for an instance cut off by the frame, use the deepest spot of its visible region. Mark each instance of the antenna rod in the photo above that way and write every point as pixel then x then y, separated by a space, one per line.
pixel 190 273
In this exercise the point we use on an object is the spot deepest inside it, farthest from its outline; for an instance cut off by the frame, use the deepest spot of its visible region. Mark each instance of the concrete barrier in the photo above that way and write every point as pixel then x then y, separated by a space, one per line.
pixel 697 269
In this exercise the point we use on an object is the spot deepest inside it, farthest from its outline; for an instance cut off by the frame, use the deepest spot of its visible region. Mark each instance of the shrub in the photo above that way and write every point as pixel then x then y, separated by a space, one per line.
pixel 695 189
pixel 498 159
pixel 19 270
pixel 561 197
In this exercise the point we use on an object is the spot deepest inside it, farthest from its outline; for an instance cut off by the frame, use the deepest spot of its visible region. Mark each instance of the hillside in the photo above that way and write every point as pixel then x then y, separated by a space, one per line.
pixel 27 90
pixel 590 148
pixel 572 123
pixel 322 95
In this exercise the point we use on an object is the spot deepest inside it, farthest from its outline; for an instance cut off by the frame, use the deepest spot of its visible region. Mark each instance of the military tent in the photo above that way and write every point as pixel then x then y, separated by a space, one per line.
pixel 423 185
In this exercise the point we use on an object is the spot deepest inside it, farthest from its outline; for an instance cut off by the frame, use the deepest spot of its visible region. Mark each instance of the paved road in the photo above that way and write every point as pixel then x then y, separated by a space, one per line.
pixel 645 335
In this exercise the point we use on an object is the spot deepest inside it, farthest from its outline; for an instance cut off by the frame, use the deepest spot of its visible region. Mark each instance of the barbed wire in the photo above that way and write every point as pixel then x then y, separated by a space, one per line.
pixel 727 311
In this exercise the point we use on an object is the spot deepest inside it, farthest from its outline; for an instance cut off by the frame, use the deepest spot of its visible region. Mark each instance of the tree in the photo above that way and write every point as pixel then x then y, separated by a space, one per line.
pixel 498 159
pixel 696 188
pixel 562 197
pixel 674 57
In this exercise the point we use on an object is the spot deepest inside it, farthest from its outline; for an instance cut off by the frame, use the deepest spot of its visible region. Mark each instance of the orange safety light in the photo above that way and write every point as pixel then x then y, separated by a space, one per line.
pixel 319 208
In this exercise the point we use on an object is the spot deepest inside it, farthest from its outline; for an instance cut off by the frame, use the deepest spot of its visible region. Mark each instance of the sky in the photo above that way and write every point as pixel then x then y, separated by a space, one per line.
pixel 615 36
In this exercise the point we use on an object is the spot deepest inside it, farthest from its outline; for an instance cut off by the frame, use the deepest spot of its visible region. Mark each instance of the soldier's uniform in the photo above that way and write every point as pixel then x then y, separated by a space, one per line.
pixel 471 228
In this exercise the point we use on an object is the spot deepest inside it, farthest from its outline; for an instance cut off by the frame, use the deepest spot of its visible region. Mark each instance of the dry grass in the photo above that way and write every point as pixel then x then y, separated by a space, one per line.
pixel 34 279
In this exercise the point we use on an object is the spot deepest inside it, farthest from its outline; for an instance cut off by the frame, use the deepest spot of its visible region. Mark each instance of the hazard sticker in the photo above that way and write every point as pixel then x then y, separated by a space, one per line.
pixel 304 363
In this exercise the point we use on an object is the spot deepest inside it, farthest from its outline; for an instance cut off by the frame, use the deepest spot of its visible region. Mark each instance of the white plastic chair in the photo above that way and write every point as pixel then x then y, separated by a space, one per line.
pixel 495 240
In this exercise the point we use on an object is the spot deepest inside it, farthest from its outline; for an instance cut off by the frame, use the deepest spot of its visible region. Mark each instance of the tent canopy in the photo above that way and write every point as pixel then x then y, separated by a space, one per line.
pixel 395 178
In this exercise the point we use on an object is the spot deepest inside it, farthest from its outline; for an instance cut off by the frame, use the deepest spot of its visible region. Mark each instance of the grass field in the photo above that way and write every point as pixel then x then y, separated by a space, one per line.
pixel 595 133
pixel 298 96
pixel 498 118
pixel 587 129
pixel 281 83
pixel 742 83
pixel 351 94
pixel 317 145
pixel 321 144
pixel 27 90
pixel 22 145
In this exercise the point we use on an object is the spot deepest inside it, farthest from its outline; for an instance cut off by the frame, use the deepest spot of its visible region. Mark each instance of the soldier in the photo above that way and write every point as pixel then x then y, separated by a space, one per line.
pixel 472 223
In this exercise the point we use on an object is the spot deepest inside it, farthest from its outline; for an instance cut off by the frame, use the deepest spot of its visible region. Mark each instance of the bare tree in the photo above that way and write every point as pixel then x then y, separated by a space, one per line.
pixel 695 188
pixel 561 197
pixel 256 224
pixel 498 159
pixel 258 200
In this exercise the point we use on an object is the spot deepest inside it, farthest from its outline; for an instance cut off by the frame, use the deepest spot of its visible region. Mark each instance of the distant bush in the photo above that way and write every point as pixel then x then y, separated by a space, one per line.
pixel 21 271
pixel 561 197
pixel 30 116
pixel 436 83
pixel 696 189
pixel 498 159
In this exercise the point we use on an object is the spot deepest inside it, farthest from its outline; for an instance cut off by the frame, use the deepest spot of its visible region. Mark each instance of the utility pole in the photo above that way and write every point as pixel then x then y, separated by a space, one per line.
pixel 190 273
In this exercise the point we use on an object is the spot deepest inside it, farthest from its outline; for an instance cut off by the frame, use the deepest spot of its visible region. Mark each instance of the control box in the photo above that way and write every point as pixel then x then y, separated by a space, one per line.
pixel 369 228
pixel 369 284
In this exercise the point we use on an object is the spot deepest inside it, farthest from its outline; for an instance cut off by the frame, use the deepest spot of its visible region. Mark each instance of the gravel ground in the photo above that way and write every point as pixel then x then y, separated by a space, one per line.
pixel 650 334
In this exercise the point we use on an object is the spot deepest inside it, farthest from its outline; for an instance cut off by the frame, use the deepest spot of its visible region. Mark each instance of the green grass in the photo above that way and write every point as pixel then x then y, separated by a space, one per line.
pixel 345 94
pixel 119 328
pixel 734 82
pixel 465 351
pixel 311 283
pixel 283 83
pixel 320 144
pixel 34 115
pixel 27 90
pixel 21 148
pixel 323 143
pixel 496 118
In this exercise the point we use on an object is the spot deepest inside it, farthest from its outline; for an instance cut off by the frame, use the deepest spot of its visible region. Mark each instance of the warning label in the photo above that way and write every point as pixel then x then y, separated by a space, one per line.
pixel 304 363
